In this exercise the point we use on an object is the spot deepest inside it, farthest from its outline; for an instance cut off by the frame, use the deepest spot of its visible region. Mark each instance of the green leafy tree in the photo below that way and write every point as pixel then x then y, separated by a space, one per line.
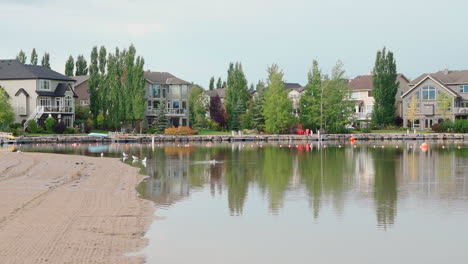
pixel 336 109
pixel 161 121
pixel 444 103
pixel 412 110
pixel 198 105
pixel 256 109
pixel 34 57
pixel 219 84
pixel 135 82
pixel 212 83
pixel 93 83
pixel 32 126
pixel 277 108
pixel 46 60
pixel 7 115
pixel 81 66
pixel 69 66
pixel 50 123
pixel 310 102
pixel 385 87
pixel 21 57
pixel 236 94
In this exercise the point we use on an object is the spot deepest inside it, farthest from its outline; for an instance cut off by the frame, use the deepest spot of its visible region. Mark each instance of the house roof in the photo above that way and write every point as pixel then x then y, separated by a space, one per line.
pixel 364 82
pixel 414 86
pixel 221 92
pixel 163 78
pixel 445 77
pixel 293 86
pixel 15 70
pixel 58 92
pixel 80 79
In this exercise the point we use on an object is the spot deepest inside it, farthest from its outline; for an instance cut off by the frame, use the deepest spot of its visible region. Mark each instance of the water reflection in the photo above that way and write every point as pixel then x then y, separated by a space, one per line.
pixel 332 177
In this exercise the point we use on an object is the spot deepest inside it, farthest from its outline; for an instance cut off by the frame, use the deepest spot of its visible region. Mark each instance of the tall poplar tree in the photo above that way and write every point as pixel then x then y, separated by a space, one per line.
pixel 81 66
pixel 93 84
pixel 21 57
pixel 277 108
pixel 309 105
pixel 212 83
pixel 237 95
pixel 219 84
pixel 384 80
pixel 7 115
pixel 46 60
pixel 34 57
pixel 69 65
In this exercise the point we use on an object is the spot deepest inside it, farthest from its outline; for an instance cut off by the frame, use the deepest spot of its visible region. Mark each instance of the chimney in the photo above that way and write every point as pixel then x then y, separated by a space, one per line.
pixel 370 73
pixel 446 70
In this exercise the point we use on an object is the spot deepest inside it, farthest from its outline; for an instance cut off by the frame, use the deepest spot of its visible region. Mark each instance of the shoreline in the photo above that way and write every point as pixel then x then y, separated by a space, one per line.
pixel 148 139
pixel 70 209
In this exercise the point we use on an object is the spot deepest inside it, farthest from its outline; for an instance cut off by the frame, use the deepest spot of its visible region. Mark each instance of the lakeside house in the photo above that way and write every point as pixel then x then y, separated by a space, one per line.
pixel 361 93
pixel 163 87
pixel 221 92
pixel 82 90
pixel 427 88
pixel 295 91
pixel 37 92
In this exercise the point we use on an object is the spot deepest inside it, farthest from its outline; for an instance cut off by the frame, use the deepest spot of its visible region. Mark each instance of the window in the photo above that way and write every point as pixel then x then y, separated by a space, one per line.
pixel 464 88
pixel 184 122
pixel 44 85
pixel 168 104
pixel 175 104
pixel 428 93
pixel 155 104
pixel 156 90
pixel 149 105
pixel 184 104
pixel 164 92
pixel 45 101
pixel 83 102
pixel 369 94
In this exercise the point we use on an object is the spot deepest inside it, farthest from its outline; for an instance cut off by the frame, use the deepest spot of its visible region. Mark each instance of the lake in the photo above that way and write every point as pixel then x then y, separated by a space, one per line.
pixel 376 202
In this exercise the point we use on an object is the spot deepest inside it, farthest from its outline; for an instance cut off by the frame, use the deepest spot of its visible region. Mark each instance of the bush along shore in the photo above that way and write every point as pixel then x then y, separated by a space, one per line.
pixel 38 139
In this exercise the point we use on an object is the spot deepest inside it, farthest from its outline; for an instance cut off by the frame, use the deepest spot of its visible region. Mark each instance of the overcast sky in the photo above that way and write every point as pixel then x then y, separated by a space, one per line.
pixel 195 40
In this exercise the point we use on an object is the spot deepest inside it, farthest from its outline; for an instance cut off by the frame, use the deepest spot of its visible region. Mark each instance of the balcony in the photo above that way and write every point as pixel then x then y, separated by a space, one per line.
pixel 54 109
pixel 363 116
pixel 169 112
pixel 460 110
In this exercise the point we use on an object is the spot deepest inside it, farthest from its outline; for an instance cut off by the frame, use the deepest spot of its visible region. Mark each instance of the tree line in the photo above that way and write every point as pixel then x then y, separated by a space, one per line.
pixel 45 61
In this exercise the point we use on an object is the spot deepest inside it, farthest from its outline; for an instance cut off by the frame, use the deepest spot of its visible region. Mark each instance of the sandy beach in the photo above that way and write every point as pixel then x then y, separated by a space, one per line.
pixel 70 209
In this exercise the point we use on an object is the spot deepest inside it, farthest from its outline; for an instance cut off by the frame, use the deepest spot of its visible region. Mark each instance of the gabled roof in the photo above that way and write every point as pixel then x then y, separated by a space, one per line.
pixel 163 78
pixel 80 79
pixel 21 90
pixel 15 70
pixel 364 82
pixel 58 92
pixel 293 86
pixel 445 77
pixel 221 92
pixel 429 76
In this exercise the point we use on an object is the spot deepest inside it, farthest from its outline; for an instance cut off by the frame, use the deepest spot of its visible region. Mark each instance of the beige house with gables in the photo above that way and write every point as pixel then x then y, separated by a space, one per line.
pixel 427 88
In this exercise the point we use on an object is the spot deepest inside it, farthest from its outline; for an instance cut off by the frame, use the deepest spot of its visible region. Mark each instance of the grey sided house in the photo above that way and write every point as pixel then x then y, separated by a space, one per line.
pixel 427 88
pixel 165 88
pixel 37 92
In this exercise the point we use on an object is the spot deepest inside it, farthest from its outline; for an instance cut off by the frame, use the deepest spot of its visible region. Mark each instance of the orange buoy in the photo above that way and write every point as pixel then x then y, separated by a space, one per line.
pixel 424 147
pixel 352 139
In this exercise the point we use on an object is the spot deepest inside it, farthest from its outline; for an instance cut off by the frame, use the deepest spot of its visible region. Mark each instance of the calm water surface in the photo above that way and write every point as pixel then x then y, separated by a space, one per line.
pixel 300 203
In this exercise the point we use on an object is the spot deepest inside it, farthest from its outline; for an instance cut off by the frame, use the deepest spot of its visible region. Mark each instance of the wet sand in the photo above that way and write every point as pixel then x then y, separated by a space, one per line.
pixel 70 209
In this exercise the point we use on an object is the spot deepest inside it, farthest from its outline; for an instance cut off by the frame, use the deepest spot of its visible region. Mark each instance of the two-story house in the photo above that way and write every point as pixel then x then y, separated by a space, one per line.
pixel 361 93
pixel 165 88
pixel 427 88
pixel 37 92
pixel 82 90
pixel 295 92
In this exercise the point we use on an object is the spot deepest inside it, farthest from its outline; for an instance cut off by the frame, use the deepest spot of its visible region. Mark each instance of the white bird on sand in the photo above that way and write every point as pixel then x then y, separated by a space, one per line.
pixel 213 161
pixel 125 155
pixel 19 151
pixel 143 160
pixel 102 154
pixel 124 159
pixel 134 157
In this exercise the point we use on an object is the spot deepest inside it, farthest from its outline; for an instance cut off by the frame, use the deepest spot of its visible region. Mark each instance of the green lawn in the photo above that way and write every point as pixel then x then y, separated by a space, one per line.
pixel 99 131
pixel 213 132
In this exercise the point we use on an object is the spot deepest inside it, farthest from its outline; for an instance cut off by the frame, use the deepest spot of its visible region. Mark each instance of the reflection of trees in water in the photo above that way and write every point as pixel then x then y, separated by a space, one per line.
pixel 385 185
pixel 324 174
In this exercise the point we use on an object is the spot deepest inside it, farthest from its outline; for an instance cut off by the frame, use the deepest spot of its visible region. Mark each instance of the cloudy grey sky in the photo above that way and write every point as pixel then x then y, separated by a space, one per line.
pixel 197 39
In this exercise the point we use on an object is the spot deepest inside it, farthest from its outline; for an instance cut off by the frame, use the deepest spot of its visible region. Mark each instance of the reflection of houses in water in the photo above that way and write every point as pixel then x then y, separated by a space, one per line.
pixel 364 171
pixel 437 173
pixel 168 181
